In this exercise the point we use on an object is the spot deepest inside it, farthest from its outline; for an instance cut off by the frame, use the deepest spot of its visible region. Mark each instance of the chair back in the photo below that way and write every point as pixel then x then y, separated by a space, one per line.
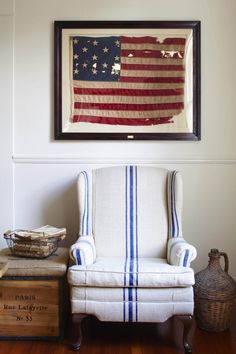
pixel 130 210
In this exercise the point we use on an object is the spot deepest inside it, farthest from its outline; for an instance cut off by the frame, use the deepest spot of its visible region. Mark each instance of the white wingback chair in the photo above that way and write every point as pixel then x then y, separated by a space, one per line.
pixel 131 262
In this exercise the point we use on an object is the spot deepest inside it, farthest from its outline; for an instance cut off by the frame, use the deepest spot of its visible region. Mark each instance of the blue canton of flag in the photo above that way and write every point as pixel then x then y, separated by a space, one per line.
pixel 96 59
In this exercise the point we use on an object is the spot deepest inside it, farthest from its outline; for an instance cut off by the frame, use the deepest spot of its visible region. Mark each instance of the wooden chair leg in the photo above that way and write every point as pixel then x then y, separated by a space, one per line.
pixel 188 325
pixel 76 322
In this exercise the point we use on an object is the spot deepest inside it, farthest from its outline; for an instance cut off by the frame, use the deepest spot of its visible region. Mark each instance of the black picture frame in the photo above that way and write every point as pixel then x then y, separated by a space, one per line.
pixel 64 30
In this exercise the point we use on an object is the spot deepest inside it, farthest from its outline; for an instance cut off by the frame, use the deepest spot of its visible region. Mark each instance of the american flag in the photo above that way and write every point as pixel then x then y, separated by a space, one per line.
pixel 127 80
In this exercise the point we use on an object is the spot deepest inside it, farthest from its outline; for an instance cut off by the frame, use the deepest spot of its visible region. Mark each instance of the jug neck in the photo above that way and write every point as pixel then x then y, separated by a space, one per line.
pixel 214 259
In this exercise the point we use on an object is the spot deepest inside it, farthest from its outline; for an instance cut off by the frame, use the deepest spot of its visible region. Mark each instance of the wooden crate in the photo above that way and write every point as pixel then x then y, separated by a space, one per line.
pixel 32 297
pixel 30 307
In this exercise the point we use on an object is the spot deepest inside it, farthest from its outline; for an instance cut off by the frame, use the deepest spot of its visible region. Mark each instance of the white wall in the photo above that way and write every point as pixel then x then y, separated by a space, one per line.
pixel 6 114
pixel 45 170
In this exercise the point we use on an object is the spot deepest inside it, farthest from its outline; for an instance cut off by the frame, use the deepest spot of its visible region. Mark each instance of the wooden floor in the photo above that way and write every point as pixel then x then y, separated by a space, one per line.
pixel 106 338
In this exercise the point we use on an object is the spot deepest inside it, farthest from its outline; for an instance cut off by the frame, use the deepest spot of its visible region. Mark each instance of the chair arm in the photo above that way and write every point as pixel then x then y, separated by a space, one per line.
pixel 83 251
pixel 180 253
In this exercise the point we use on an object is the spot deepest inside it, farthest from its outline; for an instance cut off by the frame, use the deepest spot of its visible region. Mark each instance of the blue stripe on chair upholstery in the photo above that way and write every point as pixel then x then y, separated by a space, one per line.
pixel 86 206
pixel 85 179
pixel 78 257
pixel 83 252
pixel 174 217
pixel 131 234
pixel 180 253
pixel 185 262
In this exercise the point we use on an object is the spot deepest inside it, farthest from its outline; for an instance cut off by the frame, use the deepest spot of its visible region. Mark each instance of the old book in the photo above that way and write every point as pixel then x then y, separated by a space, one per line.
pixel 44 232
pixel 51 231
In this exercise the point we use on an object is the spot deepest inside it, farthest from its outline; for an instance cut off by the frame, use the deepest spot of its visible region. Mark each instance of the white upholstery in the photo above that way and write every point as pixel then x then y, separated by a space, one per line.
pixel 123 214
pixel 180 294
pixel 115 272
pixel 83 251
pixel 147 305
pixel 131 260
pixel 175 203
pixel 180 253
pixel 112 209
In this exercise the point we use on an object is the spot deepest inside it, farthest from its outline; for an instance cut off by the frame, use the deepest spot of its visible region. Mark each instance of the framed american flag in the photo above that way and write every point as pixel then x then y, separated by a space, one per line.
pixel 132 80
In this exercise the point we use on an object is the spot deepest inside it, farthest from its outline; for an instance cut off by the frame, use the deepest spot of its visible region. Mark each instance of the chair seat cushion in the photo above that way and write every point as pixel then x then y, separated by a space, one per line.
pixel 121 272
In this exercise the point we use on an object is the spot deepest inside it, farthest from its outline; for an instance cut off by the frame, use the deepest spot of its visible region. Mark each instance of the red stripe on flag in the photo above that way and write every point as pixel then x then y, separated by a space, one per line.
pixel 164 80
pixel 129 107
pixel 152 40
pixel 139 40
pixel 174 41
pixel 120 121
pixel 152 53
pixel 152 67
pixel 128 92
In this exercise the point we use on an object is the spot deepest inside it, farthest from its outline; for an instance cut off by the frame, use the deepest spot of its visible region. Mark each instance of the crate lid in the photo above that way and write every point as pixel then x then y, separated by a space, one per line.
pixel 55 265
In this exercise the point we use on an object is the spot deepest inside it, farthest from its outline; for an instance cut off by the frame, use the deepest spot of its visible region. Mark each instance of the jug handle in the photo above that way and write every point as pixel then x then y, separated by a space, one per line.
pixel 226 259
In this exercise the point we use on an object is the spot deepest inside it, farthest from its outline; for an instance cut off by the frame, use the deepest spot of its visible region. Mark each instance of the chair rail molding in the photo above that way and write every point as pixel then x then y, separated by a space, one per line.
pixel 73 159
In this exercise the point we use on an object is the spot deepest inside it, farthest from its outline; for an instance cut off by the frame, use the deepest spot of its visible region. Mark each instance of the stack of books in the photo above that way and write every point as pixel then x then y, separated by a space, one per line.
pixel 36 243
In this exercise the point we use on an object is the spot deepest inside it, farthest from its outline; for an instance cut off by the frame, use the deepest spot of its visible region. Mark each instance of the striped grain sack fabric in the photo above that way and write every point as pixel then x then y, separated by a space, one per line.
pixel 130 250
pixel 179 252
pixel 138 211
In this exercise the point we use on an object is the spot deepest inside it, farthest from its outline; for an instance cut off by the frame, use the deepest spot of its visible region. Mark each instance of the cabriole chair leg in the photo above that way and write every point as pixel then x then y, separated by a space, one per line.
pixel 188 325
pixel 76 322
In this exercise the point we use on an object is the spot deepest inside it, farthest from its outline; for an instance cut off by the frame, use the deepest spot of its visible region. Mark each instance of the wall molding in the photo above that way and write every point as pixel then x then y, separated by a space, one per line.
pixel 70 159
